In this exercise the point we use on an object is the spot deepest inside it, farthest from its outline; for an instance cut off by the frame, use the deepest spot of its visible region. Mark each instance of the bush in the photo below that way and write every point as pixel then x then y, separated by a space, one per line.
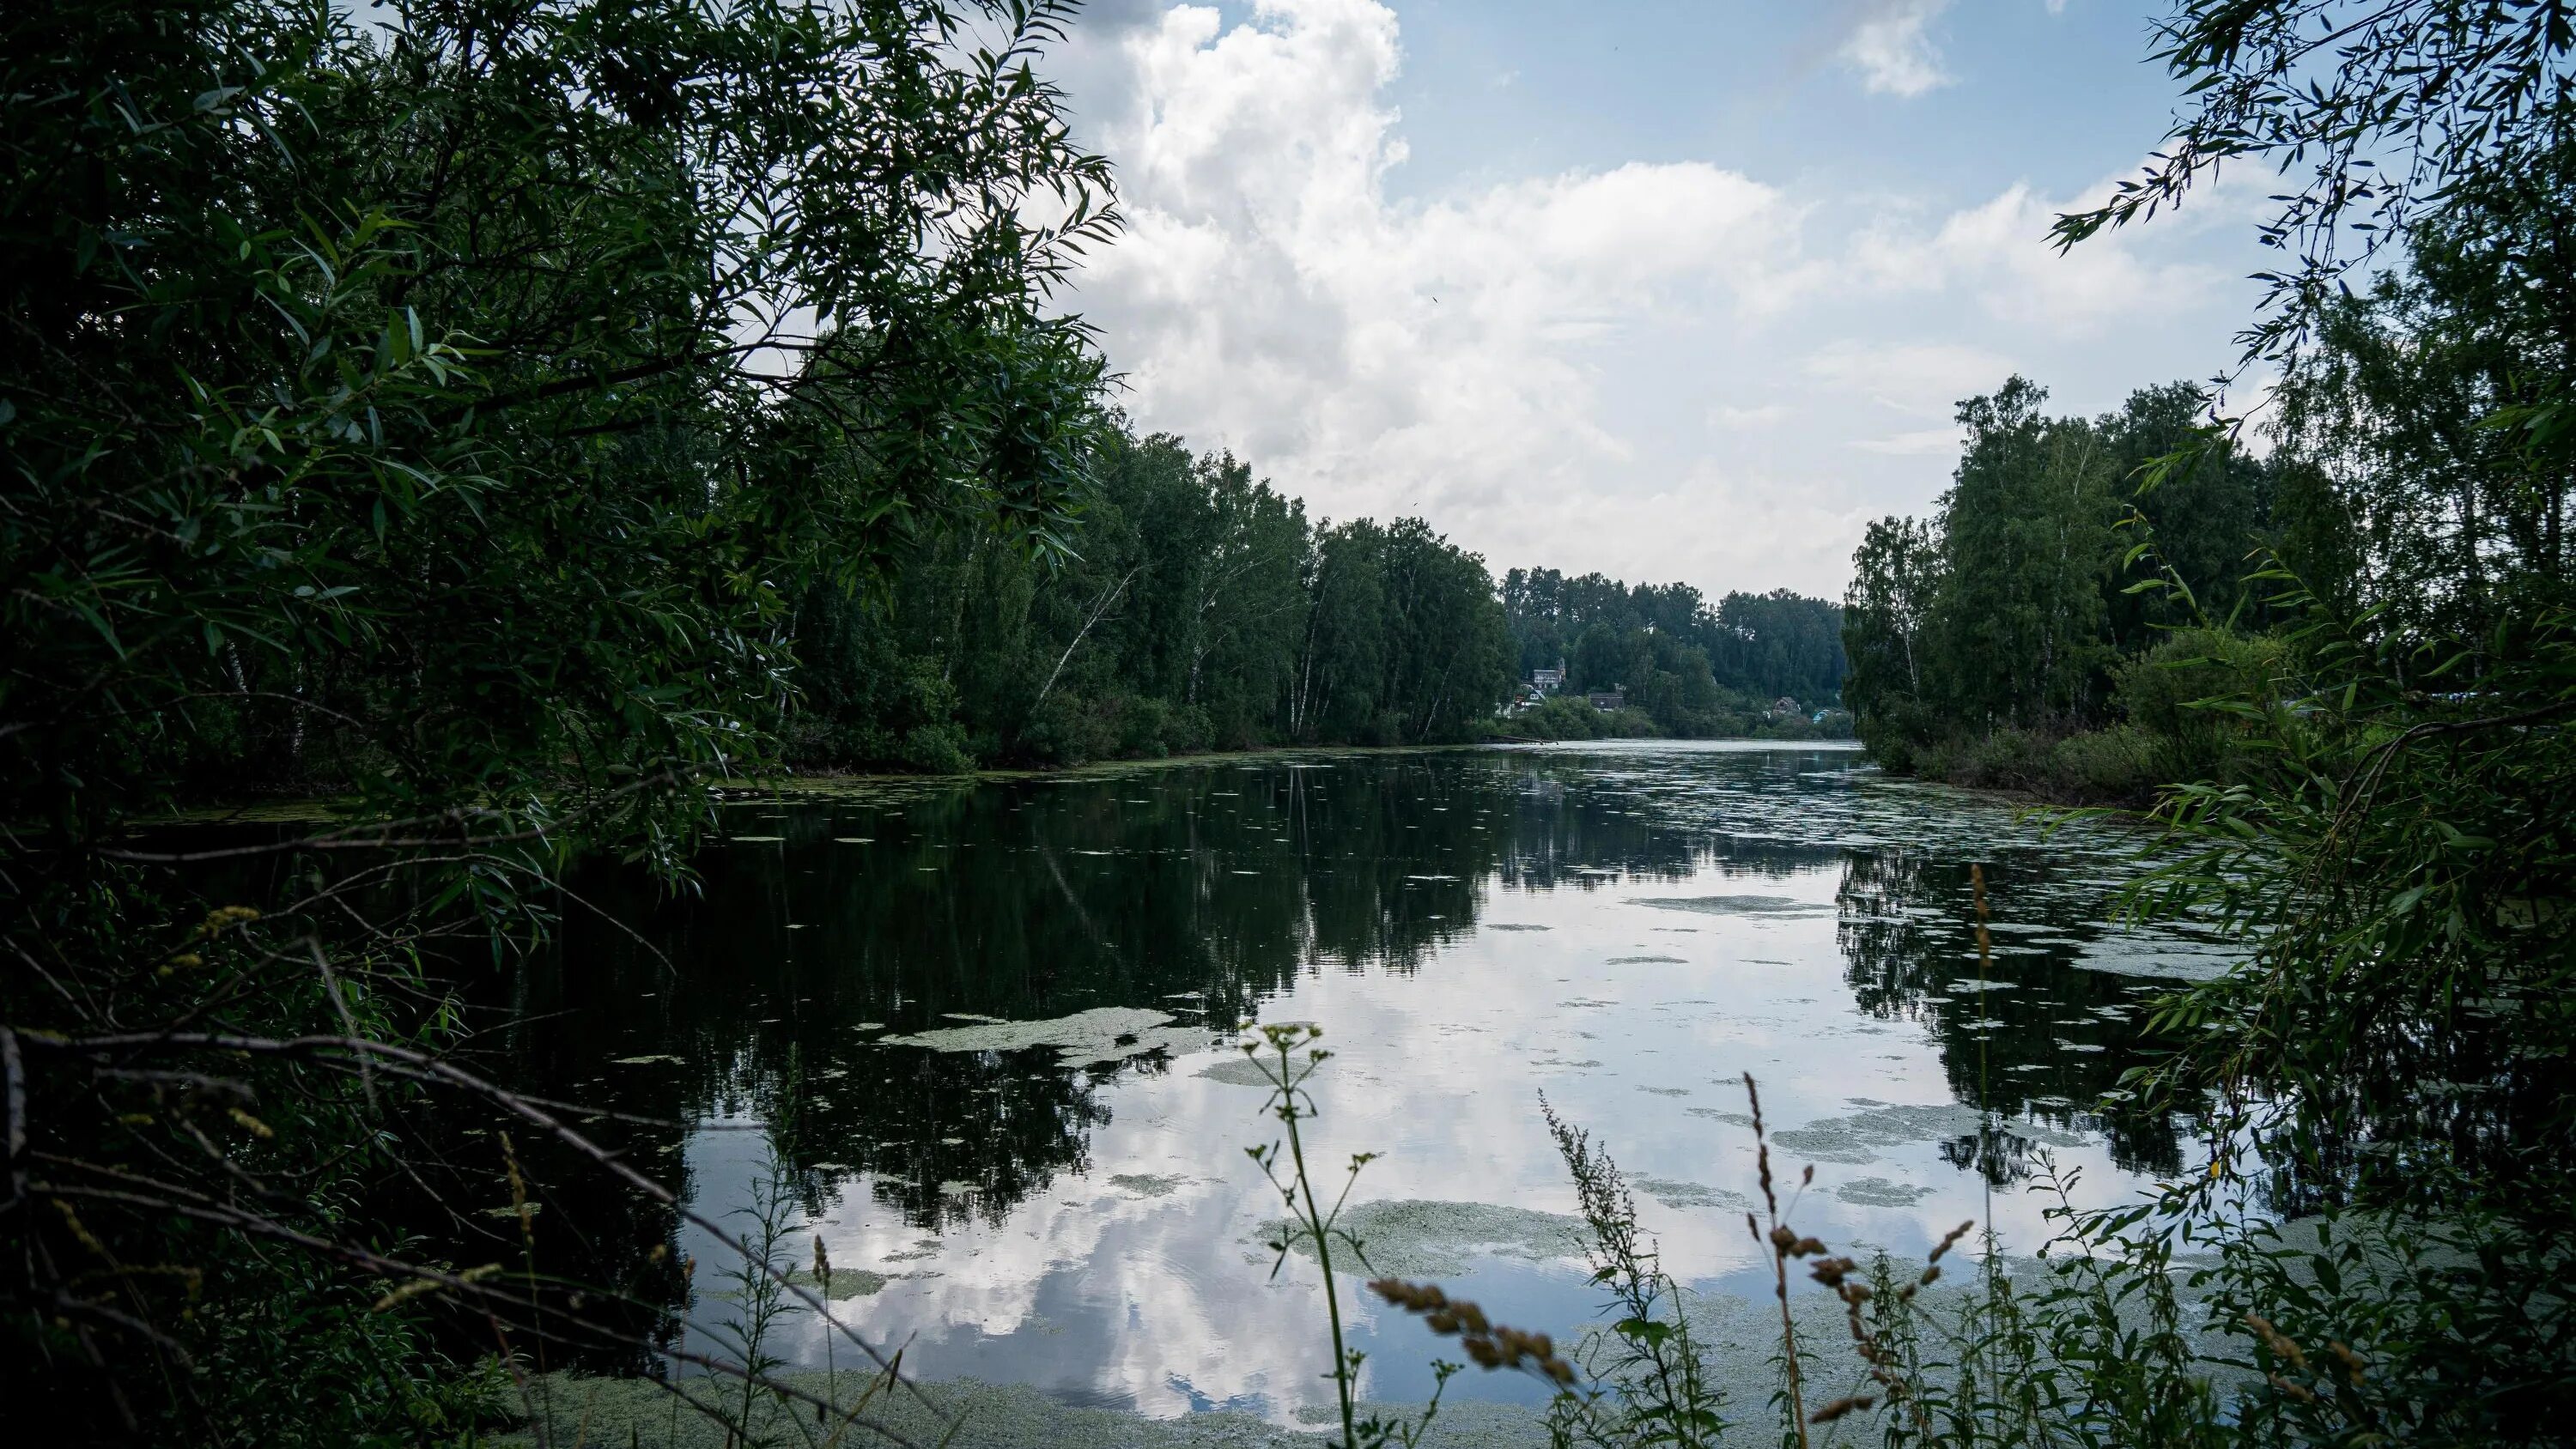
pixel 2161 693
pixel 1559 718
pixel 2110 766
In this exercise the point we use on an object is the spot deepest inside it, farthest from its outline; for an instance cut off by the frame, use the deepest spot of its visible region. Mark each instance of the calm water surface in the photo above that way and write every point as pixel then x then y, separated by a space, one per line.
pixel 1624 928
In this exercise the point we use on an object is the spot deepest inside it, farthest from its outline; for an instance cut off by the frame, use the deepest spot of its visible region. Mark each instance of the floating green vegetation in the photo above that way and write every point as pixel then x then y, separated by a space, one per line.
pixel 1236 1072
pixel 1732 905
pixel 2159 958
pixel 1880 1192
pixel 1101 1034
pixel 1673 1194
pixel 1862 1136
pixel 844 1283
pixel 1414 1237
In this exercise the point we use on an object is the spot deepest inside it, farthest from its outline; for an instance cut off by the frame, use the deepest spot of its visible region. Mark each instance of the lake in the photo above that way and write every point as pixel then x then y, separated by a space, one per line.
pixel 990 1030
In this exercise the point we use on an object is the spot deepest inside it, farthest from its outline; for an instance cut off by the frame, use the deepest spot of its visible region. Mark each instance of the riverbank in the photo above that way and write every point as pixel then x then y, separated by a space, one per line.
pixel 2117 766
pixel 317 807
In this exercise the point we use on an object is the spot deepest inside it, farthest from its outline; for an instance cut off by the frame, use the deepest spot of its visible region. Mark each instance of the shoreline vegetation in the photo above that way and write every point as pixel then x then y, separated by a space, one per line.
pixel 511 413
pixel 1192 607
pixel 2060 624
pixel 293 807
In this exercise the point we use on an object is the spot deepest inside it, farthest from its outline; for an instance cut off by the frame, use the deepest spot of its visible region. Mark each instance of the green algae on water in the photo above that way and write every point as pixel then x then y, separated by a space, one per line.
pixel 1420 1238
pixel 1101 1034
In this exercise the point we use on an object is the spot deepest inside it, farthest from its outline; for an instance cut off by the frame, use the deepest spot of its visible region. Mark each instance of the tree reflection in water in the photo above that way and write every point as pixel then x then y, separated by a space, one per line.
pixel 823 925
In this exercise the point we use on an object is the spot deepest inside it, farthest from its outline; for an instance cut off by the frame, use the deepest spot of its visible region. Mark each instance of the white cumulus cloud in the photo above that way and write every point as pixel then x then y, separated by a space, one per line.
pixel 1668 369
pixel 1891 46
pixel 1269 294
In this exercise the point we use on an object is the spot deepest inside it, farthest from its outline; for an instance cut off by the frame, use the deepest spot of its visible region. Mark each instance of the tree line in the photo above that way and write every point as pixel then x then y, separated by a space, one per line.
pixel 1687 667
pixel 2012 614
pixel 1193 608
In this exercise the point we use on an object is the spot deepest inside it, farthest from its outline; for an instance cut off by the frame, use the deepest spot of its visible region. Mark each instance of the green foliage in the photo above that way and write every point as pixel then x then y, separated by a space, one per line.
pixel 2379 114
pixel 2425 409
pixel 2025 535
pixel 1692 669
pixel 1650 1377
pixel 427 441
pixel 1317 1227
pixel 1198 609
pixel 2162 694
pixel 1989 643
pixel 1559 717
pixel 2398 862
pixel 445 413
pixel 2389 842
pixel 1887 622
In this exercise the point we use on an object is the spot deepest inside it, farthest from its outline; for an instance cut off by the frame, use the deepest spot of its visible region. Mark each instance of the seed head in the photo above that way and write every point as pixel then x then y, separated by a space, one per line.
pixel 1840 1407
pixel 2277 1341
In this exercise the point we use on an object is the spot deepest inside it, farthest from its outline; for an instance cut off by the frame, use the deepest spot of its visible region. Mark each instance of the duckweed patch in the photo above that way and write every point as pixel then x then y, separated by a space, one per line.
pixel 1881 1192
pixel 1101 1034
pixel 1235 1072
pixel 1733 905
pixel 1421 1238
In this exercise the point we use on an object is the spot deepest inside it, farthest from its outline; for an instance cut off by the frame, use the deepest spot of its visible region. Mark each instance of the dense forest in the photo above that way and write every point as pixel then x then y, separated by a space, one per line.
pixel 1686 668
pixel 515 421
pixel 2006 631
pixel 1192 608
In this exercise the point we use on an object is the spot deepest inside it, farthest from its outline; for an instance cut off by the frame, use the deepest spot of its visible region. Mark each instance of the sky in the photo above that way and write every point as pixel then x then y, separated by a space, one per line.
pixel 1673 291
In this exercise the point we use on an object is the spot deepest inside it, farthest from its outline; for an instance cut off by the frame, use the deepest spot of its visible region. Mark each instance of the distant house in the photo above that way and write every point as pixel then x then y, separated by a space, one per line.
pixel 1784 705
pixel 1548 681
pixel 1608 701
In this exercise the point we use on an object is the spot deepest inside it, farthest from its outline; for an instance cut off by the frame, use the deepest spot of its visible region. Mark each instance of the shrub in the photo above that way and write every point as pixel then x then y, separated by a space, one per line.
pixel 1560 718
pixel 2166 694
